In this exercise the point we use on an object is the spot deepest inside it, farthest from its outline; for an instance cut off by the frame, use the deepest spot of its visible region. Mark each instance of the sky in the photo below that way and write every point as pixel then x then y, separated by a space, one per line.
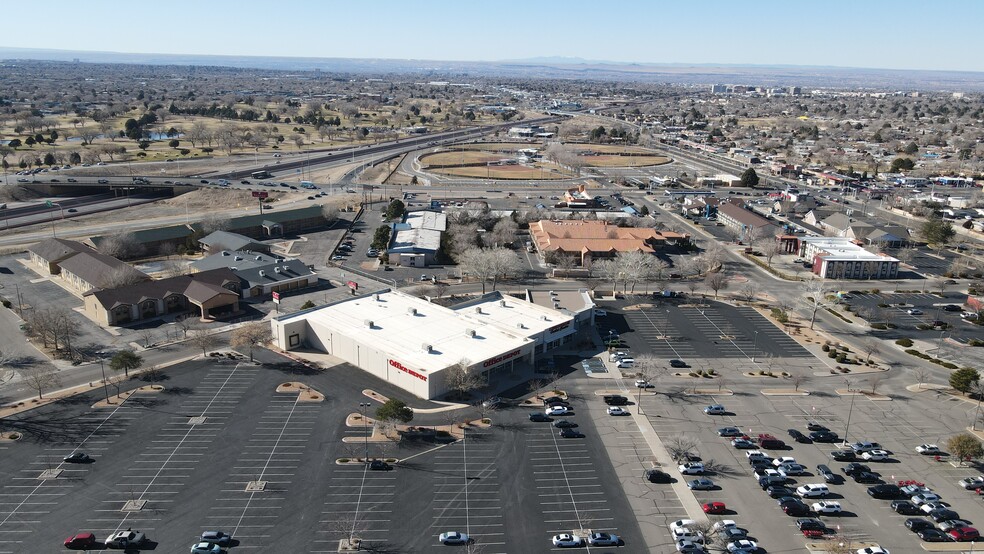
pixel 890 34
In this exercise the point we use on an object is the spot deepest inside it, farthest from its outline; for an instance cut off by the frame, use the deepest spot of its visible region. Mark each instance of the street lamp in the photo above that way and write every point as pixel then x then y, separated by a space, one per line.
pixel 755 345
pixel 102 368
pixel 365 426
pixel 849 411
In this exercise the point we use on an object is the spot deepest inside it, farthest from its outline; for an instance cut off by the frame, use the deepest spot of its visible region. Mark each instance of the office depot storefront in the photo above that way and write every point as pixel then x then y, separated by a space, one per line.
pixel 410 342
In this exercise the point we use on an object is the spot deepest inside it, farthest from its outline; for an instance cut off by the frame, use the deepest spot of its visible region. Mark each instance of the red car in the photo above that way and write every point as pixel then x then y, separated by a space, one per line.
pixel 714 508
pixel 81 540
pixel 964 534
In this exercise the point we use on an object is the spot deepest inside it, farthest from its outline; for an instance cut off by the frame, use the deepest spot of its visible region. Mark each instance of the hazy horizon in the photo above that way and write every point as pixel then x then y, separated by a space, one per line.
pixel 873 34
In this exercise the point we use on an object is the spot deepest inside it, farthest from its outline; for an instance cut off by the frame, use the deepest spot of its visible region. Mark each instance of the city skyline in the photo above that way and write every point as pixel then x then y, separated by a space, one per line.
pixel 877 34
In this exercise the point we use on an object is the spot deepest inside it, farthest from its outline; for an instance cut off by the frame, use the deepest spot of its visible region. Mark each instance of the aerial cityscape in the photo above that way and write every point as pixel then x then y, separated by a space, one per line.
pixel 492 278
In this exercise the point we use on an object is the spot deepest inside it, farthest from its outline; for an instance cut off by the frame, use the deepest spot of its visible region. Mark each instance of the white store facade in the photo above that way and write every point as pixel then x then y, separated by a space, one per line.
pixel 410 342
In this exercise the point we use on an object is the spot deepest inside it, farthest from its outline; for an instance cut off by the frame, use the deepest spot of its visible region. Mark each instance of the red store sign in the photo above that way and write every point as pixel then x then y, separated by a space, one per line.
pixel 493 361
pixel 407 370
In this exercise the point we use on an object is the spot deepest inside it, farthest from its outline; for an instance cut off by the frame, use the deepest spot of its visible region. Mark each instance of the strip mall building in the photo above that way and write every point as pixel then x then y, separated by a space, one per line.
pixel 410 342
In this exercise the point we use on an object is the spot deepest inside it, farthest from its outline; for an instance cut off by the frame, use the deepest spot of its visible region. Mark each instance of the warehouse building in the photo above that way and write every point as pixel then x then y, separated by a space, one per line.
pixel 410 342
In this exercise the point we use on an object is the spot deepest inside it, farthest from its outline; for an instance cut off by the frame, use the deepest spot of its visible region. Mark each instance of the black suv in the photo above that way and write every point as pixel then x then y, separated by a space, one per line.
pixel 843 455
pixel 798 436
pixel 657 476
pixel 885 491
pixel 852 468
pixel 916 524
pixel 616 400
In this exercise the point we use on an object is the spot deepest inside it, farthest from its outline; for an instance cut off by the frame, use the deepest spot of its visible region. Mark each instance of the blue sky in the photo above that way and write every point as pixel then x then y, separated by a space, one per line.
pixel 899 34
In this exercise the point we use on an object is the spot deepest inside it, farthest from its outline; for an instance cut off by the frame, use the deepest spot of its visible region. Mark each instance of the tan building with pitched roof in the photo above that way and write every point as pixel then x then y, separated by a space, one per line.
pixel 588 240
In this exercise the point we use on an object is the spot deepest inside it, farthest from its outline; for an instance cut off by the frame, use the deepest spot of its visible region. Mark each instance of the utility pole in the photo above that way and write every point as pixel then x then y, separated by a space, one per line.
pixel 365 426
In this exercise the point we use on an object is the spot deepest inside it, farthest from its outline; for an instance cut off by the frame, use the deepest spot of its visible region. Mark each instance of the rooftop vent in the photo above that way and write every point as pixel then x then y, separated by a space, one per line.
pixel 520 326
pixel 470 333
pixel 502 303
pixel 478 309
pixel 277 269
pixel 238 259
pixel 412 311
pixel 544 318
pixel 262 273
pixel 258 258
pixel 427 348
pixel 224 253
pixel 375 297
pixel 368 322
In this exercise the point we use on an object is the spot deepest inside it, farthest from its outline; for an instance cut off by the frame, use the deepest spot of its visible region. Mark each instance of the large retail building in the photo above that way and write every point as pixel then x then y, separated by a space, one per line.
pixel 410 342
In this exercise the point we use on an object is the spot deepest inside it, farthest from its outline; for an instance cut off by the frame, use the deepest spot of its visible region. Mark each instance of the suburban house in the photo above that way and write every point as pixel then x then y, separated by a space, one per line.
pixel 587 240
pixel 417 240
pixel 259 274
pixel 842 258
pixel 889 237
pixel 47 254
pixel 208 294
pixel 224 240
pixel 744 223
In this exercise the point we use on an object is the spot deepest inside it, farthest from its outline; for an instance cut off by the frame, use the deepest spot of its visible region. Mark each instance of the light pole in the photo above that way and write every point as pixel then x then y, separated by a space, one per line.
pixel 849 411
pixel 102 368
pixel 755 345
pixel 365 426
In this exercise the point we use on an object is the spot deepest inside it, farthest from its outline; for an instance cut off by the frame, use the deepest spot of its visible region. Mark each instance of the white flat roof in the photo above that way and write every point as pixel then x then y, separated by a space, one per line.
pixel 410 239
pixel 426 219
pixel 843 249
pixel 404 335
pixel 509 313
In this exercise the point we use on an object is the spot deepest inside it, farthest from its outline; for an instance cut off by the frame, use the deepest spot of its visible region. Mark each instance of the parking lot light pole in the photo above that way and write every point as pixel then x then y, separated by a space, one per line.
pixel 365 426
pixel 102 368
pixel 755 345
pixel 849 412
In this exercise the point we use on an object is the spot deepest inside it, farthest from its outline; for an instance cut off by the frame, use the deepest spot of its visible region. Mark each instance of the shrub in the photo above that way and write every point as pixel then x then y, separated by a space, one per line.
pixel 207 150
pixel 975 342
pixel 825 348
pixel 6 303
pixel 831 354
pixel 343 460
pixel 841 358
pixel 883 305
pixel 904 342
pixel 879 326
pixel 184 151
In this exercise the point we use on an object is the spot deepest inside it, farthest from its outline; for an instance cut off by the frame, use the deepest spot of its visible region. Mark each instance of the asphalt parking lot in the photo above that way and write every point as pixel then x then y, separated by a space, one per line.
pixel 894 307
pixel 899 425
pixel 220 449
pixel 675 328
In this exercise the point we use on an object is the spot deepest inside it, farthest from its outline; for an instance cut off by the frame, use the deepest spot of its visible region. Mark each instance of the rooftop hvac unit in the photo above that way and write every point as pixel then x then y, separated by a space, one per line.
pixel 238 259
pixel 552 293
pixel 478 309
pixel 544 318
pixel 258 258
pixel 502 303
pixel 412 311
pixel 285 268
pixel 375 297
pixel 520 326
pixel 368 322
pixel 427 348
pixel 224 253
pixel 470 333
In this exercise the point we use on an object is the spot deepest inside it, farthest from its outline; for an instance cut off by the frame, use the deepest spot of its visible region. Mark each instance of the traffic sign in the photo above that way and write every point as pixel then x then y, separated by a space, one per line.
pixel 276 298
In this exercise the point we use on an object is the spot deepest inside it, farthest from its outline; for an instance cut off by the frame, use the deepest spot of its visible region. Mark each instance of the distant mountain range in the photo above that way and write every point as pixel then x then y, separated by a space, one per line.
pixel 552 67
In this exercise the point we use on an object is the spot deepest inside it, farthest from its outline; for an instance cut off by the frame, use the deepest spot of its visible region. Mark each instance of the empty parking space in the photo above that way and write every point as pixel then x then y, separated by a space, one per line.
pixel 358 503
pixel 711 330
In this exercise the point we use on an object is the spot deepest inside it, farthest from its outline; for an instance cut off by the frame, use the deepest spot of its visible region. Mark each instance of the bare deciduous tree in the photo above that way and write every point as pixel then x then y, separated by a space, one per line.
pixel 870 347
pixel 681 447
pixel 716 282
pixel 122 245
pixel 816 292
pixel 251 335
pixel 203 339
pixel 40 379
